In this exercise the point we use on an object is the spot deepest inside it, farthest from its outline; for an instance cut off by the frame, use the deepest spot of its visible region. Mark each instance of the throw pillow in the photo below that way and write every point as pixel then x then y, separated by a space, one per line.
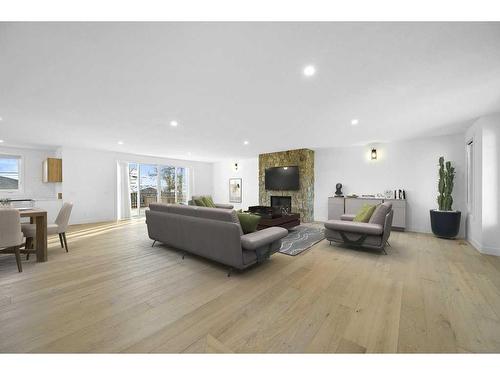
pixel 248 222
pixel 208 201
pixel 364 214
pixel 199 202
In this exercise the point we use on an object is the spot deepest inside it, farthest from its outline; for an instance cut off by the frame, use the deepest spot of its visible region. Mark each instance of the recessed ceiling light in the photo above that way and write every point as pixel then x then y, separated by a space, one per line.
pixel 1 140
pixel 189 154
pixel 309 71
pixel 246 143
pixel 354 121
pixel 1 119
pixel 120 142
pixel 174 123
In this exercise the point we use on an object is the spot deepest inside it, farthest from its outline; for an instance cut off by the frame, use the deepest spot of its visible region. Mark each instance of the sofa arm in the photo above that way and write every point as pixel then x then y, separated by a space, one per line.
pixel 347 217
pixel 226 206
pixel 253 241
pixel 354 227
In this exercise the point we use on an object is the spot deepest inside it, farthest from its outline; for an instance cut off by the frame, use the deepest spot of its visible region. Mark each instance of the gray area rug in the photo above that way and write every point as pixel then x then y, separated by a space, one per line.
pixel 300 239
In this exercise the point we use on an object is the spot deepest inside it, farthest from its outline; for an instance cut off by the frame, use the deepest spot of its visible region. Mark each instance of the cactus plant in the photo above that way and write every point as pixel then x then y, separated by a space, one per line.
pixel 445 185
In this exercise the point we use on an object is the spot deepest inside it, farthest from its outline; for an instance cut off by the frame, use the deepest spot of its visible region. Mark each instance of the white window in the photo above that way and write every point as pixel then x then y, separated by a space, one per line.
pixel 10 173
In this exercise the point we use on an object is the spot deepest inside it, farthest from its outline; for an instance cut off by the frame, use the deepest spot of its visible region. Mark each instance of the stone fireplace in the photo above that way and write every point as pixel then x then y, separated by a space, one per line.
pixel 302 200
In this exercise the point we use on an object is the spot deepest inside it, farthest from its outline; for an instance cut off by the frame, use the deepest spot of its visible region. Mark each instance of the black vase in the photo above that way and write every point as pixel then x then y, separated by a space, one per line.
pixel 445 224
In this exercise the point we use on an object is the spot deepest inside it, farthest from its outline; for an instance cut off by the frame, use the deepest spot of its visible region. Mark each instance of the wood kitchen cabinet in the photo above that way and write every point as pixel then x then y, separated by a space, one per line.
pixel 52 170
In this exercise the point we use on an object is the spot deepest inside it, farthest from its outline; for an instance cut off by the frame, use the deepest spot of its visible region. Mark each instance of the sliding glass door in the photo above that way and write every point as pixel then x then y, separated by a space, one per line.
pixel 156 183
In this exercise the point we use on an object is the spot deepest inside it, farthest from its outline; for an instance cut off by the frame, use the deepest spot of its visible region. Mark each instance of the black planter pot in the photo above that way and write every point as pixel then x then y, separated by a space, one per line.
pixel 445 224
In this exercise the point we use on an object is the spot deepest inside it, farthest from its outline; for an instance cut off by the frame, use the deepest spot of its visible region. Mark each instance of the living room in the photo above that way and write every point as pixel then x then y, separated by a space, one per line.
pixel 249 189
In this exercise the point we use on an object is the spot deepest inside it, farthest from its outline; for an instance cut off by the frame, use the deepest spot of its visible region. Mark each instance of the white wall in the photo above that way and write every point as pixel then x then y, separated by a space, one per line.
pixel 483 223
pixel 248 171
pixel 410 165
pixel 90 181
pixel 33 185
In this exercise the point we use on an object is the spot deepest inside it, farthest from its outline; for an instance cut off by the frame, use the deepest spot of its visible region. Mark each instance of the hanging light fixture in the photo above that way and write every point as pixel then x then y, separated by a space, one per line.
pixel 374 154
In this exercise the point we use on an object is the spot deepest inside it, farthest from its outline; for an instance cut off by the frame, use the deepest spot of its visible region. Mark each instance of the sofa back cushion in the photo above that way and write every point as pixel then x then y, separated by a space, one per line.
pixel 219 214
pixel 378 216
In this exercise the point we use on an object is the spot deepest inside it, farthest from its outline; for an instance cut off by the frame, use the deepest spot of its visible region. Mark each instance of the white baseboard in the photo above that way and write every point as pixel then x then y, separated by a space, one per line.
pixel 488 250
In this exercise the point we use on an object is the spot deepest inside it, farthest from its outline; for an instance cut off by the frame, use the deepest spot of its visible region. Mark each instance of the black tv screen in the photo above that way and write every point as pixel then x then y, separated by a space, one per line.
pixel 282 178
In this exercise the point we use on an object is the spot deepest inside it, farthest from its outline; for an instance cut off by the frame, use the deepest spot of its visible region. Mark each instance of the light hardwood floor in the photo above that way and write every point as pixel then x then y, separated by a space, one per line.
pixel 113 292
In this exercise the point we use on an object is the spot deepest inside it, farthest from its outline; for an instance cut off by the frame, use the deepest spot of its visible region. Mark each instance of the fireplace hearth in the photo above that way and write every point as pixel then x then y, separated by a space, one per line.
pixel 282 203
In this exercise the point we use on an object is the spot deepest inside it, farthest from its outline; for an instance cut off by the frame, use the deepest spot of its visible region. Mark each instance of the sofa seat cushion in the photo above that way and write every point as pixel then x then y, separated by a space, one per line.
pixel 253 241
pixel 354 227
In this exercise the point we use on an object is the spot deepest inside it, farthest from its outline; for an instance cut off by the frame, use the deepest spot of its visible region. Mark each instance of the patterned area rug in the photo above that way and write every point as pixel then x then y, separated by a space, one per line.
pixel 301 238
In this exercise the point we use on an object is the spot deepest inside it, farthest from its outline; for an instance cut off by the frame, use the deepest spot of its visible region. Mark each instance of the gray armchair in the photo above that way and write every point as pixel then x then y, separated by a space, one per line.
pixel 217 205
pixel 373 234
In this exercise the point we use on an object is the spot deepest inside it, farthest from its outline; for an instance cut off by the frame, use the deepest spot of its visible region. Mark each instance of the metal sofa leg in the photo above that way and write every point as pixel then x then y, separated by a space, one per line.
pixel 229 271
pixel 387 242
pixel 61 240
pixel 153 243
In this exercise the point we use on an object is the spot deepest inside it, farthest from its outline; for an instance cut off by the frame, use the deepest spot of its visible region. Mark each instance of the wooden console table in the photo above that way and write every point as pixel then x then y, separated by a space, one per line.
pixel 39 218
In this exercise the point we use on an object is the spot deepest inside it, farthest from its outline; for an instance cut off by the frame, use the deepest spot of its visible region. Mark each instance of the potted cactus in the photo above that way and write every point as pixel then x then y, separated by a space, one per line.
pixel 445 222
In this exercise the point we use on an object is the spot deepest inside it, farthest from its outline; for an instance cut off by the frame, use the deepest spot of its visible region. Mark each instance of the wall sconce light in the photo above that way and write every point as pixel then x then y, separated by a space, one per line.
pixel 374 154
pixel 235 167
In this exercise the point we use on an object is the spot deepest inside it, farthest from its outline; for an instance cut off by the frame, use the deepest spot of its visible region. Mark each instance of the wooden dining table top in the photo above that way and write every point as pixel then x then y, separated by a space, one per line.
pixel 32 212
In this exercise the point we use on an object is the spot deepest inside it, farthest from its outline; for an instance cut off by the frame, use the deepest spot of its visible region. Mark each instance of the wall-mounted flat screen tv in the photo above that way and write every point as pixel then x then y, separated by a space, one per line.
pixel 282 178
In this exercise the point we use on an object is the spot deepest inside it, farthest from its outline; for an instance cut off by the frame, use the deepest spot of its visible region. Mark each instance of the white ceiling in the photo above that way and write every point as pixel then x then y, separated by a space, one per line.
pixel 93 84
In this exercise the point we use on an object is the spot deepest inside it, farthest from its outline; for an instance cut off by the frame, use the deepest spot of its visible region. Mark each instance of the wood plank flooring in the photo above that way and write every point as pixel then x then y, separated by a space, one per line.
pixel 113 292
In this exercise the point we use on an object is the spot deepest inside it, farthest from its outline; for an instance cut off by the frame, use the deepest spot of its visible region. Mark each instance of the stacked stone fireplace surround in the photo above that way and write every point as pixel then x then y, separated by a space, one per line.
pixel 302 199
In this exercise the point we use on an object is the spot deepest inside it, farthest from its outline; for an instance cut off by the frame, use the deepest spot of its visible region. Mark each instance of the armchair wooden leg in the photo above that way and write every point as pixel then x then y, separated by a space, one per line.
pixel 61 240
pixel 18 258
pixel 65 242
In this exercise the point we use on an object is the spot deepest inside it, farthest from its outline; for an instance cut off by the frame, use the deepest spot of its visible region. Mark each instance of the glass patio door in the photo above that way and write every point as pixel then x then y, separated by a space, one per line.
pixel 156 183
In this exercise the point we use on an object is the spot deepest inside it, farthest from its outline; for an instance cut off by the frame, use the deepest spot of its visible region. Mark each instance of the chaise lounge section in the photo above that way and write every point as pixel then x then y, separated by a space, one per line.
pixel 373 234
pixel 212 233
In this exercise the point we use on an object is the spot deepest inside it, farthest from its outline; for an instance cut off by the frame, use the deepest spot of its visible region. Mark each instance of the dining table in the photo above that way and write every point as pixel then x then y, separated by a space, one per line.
pixel 39 218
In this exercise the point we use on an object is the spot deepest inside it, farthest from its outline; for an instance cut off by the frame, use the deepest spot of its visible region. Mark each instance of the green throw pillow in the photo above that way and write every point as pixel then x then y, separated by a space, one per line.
pixel 199 202
pixel 248 222
pixel 363 216
pixel 208 201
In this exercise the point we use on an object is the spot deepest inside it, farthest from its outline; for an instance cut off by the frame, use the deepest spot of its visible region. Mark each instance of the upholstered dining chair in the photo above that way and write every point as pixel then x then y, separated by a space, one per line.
pixel 11 237
pixel 58 227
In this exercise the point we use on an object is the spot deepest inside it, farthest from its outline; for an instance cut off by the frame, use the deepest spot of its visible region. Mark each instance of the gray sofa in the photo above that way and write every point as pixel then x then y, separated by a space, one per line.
pixel 373 234
pixel 217 205
pixel 212 233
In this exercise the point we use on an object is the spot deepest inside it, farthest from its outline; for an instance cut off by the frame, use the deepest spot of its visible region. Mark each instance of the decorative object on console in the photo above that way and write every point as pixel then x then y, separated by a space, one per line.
pixel 445 222
pixel 374 154
pixel 235 190
pixel 338 192
pixel 388 194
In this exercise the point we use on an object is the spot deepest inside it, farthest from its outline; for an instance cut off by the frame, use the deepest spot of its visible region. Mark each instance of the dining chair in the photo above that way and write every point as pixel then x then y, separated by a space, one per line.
pixel 11 237
pixel 58 227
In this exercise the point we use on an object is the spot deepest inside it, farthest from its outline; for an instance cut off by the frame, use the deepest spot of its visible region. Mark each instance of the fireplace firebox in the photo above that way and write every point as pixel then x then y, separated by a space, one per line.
pixel 282 203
